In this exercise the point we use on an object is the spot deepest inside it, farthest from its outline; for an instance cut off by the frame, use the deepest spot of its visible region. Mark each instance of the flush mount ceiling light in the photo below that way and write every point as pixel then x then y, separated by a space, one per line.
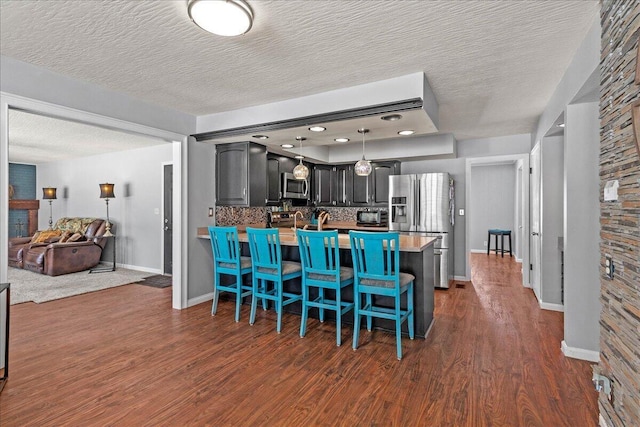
pixel 341 140
pixel 300 171
pixel 260 137
pixel 406 132
pixel 317 128
pixel 287 146
pixel 560 125
pixel 221 17
pixel 391 117
pixel 363 167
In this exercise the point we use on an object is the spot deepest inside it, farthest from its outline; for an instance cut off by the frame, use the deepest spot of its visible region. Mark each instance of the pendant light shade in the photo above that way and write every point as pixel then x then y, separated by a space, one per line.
pixel 363 166
pixel 221 17
pixel 300 171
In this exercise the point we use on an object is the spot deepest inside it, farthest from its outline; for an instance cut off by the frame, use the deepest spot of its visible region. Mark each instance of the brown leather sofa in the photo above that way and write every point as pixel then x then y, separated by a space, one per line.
pixel 54 258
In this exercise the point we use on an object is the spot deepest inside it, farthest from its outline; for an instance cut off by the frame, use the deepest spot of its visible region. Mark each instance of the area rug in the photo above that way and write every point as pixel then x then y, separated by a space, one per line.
pixel 156 281
pixel 39 288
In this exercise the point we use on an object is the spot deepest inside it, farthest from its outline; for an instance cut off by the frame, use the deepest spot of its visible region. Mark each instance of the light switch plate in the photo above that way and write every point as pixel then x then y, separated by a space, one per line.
pixel 461 212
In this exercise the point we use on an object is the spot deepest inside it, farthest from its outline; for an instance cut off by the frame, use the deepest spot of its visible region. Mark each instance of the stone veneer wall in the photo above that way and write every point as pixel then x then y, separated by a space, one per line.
pixel 620 220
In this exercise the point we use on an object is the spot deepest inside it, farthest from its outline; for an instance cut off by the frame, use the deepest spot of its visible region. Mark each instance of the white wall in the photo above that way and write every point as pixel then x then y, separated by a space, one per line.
pixel 137 175
pixel 493 196
pixel 582 230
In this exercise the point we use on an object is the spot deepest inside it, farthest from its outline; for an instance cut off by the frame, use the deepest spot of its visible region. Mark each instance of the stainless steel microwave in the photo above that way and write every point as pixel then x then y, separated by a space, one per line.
pixel 293 188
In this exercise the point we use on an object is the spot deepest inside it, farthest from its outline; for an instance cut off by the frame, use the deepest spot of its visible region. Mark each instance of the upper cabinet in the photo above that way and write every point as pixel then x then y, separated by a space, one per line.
pixel 340 186
pixel 276 166
pixel 241 168
pixel 323 185
pixel 373 190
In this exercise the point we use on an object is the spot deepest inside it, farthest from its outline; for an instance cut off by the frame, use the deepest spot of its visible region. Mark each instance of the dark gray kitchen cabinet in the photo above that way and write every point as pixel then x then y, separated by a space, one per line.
pixel 373 190
pixel 274 191
pixel 241 168
pixel 343 176
pixel 380 181
pixel 323 183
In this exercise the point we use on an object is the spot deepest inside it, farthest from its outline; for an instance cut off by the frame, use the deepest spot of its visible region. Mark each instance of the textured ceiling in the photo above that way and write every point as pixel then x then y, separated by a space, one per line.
pixel 38 139
pixel 493 65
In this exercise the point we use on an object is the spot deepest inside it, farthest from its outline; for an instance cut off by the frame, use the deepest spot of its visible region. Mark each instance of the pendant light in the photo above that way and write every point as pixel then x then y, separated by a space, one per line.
pixel 300 171
pixel 363 167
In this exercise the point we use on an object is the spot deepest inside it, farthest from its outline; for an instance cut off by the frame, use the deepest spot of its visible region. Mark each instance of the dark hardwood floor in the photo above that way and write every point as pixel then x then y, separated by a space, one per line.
pixel 123 357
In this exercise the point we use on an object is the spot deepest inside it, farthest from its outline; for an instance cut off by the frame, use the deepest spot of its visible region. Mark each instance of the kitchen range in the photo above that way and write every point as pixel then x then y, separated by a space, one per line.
pixel 423 204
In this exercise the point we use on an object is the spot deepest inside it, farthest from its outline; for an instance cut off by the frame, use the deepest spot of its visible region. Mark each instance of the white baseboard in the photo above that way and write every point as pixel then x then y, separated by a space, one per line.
pixel 519 260
pixel 462 278
pixel 478 251
pixel 580 353
pixel 429 328
pixel 138 268
pixel 199 300
pixel 602 422
pixel 551 306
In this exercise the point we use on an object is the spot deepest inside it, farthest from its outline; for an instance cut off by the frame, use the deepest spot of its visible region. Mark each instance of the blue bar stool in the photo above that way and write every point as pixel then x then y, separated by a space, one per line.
pixel 267 266
pixel 376 266
pixel 227 260
pixel 320 256
pixel 501 233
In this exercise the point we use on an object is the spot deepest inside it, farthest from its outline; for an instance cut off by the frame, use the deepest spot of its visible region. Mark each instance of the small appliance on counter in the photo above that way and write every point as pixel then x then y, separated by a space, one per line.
pixel 370 218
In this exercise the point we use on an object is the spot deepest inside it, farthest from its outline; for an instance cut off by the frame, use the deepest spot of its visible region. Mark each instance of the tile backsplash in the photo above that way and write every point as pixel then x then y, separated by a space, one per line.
pixel 231 215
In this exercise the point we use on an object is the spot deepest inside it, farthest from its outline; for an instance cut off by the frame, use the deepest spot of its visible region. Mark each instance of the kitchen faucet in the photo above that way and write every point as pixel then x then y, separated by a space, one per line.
pixel 322 218
pixel 295 219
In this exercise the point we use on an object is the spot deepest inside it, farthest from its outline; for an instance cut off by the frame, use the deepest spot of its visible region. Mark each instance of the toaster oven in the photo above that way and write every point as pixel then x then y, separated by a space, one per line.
pixel 372 218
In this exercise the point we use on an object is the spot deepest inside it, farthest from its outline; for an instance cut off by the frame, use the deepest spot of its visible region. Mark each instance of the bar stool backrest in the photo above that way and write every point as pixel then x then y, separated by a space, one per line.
pixel 376 255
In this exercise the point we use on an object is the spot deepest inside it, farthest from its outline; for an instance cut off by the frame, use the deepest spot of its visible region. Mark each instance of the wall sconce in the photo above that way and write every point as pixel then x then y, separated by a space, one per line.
pixel 106 193
pixel 49 193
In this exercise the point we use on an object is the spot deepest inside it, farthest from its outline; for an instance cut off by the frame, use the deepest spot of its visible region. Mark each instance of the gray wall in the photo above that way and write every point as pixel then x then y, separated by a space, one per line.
pixel 201 175
pixel 582 227
pixel 552 219
pixel 492 198
pixel 137 175
pixel 498 146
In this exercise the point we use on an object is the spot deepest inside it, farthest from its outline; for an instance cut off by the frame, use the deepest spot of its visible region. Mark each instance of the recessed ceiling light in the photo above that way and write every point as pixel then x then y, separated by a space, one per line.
pixel 221 17
pixel 341 140
pixel 299 157
pixel 260 137
pixel 287 146
pixel 406 132
pixel 560 125
pixel 391 117
pixel 317 128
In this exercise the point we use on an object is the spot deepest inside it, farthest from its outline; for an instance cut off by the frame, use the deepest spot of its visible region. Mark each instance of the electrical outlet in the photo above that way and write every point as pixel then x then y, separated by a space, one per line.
pixel 485 243
pixel 461 212
pixel 210 212
pixel 609 267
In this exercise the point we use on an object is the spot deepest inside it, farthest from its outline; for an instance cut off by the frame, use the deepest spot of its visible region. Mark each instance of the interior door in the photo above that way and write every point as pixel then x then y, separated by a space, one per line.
pixel 535 218
pixel 167 261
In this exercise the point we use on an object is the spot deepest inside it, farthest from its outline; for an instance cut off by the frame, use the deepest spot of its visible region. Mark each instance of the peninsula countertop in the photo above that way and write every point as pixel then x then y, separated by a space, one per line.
pixel 288 238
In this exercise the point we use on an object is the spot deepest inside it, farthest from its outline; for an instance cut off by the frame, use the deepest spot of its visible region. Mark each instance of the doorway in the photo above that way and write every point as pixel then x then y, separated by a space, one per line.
pixel 167 214
pixel 536 247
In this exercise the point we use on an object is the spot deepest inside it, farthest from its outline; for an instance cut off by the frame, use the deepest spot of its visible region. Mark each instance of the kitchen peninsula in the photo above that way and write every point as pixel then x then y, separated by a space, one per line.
pixel 416 257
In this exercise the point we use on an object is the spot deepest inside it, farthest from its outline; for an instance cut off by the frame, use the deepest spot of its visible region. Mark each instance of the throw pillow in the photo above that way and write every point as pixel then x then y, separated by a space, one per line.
pixel 75 237
pixel 65 236
pixel 45 235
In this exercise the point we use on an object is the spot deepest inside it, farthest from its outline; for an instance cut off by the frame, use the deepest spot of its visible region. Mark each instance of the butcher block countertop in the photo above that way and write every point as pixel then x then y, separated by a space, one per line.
pixel 288 237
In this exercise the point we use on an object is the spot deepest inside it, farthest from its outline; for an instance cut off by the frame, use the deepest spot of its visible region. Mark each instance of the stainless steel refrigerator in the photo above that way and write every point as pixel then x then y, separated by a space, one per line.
pixel 424 204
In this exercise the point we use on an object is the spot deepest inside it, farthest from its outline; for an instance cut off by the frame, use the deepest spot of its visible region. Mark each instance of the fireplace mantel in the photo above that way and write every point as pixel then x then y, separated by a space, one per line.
pixel 28 205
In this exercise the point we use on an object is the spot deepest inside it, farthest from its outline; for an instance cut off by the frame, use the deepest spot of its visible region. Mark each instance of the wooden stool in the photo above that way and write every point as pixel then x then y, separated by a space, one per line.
pixel 501 233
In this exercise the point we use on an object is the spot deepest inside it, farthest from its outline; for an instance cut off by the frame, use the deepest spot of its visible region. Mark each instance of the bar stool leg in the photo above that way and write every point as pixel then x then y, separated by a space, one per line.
pixel 502 244
pixel 488 243
pixel 510 253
